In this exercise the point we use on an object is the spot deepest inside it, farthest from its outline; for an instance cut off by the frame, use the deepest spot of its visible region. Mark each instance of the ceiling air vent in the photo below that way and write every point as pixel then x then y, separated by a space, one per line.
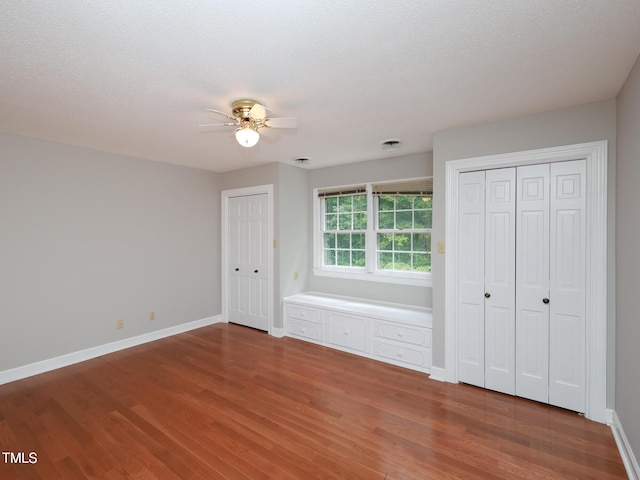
pixel 392 143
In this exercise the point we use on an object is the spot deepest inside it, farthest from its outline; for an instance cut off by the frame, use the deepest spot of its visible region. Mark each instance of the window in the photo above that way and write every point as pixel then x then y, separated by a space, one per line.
pixel 344 229
pixel 379 231
pixel 403 239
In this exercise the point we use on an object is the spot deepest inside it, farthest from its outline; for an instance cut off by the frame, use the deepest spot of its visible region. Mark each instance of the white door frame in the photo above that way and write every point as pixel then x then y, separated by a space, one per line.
pixel 242 192
pixel 595 154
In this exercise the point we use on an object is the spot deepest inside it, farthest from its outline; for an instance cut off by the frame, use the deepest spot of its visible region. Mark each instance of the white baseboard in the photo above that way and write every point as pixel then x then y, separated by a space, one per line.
pixel 277 332
pixel 43 366
pixel 438 374
pixel 628 458
pixel 608 416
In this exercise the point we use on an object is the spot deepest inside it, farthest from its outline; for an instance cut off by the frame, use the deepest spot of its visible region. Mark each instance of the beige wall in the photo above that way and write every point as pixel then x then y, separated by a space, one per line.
pixel 586 123
pixel 627 403
pixel 89 237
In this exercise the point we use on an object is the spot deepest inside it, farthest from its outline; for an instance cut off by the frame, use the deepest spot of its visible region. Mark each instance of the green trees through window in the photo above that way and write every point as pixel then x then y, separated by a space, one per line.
pixel 403 233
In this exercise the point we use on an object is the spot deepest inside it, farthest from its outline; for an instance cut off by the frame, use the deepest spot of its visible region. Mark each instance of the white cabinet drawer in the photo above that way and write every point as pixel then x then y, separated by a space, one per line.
pixel 303 313
pixel 347 331
pixel 402 333
pixel 405 354
pixel 311 331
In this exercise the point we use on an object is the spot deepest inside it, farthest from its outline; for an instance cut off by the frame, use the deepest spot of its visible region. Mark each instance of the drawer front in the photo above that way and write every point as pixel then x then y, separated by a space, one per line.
pixel 418 357
pixel 309 314
pixel 347 331
pixel 297 328
pixel 402 333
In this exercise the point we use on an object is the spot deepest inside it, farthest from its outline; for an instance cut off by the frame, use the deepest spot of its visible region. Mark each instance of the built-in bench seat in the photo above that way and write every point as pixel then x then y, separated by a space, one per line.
pixel 388 332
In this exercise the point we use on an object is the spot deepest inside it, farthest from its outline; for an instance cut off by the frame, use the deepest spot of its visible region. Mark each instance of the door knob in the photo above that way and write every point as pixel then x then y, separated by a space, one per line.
pixel 237 269
pixel 255 271
pixel 545 300
pixel 487 295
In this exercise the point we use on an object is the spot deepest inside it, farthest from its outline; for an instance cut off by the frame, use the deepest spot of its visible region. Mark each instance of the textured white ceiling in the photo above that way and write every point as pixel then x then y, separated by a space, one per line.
pixel 134 77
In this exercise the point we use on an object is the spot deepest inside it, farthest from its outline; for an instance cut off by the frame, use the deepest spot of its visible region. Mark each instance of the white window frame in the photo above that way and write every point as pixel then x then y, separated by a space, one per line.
pixel 370 272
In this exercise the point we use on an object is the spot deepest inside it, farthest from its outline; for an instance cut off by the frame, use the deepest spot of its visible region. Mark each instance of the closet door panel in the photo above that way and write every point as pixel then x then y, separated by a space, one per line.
pixel 567 287
pixel 532 283
pixel 471 277
pixel 500 231
pixel 248 274
pixel 522 269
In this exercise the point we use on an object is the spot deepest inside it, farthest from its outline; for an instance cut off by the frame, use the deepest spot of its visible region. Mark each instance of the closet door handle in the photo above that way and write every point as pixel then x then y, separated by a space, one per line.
pixel 545 300
pixel 487 295
pixel 237 269
pixel 255 271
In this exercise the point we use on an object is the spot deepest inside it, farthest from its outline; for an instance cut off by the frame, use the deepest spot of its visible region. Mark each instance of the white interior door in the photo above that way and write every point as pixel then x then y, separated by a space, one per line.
pixel 499 280
pixel 532 283
pixel 248 275
pixel 522 281
pixel 567 285
pixel 471 223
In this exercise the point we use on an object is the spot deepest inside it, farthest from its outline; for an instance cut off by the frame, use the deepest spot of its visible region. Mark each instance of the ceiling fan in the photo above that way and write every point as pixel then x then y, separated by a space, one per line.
pixel 249 116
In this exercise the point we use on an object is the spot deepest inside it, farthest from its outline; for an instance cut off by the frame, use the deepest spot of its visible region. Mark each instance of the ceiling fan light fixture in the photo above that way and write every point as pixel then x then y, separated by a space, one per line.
pixel 247 136
pixel 248 117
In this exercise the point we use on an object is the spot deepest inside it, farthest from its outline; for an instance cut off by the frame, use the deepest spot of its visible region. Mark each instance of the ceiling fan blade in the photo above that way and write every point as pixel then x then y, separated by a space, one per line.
pixel 228 115
pixel 283 122
pixel 217 124
pixel 258 112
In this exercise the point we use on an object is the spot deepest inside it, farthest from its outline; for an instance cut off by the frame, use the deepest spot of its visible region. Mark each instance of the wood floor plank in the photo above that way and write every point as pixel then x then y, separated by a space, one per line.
pixel 227 402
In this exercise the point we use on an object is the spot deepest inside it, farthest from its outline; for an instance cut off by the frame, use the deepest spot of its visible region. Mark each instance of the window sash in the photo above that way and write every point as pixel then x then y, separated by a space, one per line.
pixel 396 255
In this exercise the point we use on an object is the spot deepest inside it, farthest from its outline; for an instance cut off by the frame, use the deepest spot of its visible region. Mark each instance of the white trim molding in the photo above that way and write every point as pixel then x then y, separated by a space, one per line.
pixel 624 447
pixel 439 374
pixel 595 154
pixel 278 332
pixel 61 361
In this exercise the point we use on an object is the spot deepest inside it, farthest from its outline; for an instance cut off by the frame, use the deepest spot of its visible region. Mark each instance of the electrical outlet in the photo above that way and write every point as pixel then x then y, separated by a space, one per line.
pixel 120 324
pixel 441 247
pixel 295 275
pixel 152 315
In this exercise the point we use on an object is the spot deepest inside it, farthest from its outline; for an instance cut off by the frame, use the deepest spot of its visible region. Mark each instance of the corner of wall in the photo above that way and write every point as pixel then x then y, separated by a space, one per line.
pixel 624 447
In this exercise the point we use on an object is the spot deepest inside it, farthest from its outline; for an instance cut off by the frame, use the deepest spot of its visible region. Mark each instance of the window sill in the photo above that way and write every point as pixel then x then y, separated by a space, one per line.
pixel 396 278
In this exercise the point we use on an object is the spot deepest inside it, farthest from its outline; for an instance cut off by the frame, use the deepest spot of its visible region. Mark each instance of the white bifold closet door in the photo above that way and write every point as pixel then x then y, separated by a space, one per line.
pixel 487 276
pixel 248 273
pixel 522 281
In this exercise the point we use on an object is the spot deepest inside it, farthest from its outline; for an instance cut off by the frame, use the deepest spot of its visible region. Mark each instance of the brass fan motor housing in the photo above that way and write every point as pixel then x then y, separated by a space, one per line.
pixel 241 108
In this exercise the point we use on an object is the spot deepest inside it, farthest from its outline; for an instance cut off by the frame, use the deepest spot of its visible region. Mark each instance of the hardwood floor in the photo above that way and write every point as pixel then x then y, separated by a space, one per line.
pixel 227 402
